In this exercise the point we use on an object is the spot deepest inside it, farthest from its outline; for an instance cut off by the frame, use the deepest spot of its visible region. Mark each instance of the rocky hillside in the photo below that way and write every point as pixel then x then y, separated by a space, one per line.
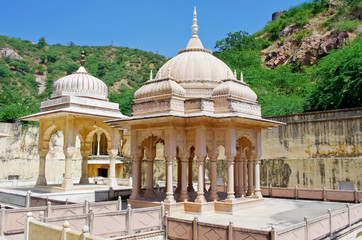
pixel 305 42
pixel 307 59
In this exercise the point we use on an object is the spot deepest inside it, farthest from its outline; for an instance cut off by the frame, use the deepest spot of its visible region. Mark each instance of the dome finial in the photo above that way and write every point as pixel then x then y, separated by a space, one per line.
pixel 241 77
pixel 194 26
pixel 235 76
pixel 82 61
pixel 151 75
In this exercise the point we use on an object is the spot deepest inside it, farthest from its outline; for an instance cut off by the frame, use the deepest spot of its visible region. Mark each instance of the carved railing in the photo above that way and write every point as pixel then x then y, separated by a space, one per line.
pixel 188 229
pixel 321 227
pixel 313 194
pixel 12 220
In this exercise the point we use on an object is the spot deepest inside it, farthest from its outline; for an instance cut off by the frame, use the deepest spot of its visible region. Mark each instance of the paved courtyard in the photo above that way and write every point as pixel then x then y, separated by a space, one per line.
pixel 272 211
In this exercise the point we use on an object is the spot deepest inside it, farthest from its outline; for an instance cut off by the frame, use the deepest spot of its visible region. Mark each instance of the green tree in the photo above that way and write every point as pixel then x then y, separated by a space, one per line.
pixel 339 79
pixel 41 42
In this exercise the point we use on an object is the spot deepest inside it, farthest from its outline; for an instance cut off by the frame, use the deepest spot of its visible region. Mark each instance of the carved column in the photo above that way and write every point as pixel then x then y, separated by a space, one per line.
pixel 112 181
pixel 169 179
pixel 239 176
pixel 257 155
pixel 178 188
pixel 213 178
pixel 41 181
pixel 200 183
pixel 230 188
pixel 190 187
pixel 236 174
pixel 67 182
pixel 245 174
pixel 184 163
pixel 257 190
pixel 136 160
pixel 99 143
pixel 84 178
pixel 241 184
pixel 250 177
pixel 150 193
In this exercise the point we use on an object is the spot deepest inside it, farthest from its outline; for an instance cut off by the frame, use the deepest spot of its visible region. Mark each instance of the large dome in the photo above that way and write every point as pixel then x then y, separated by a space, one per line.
pixel 80 84
pixel 195 68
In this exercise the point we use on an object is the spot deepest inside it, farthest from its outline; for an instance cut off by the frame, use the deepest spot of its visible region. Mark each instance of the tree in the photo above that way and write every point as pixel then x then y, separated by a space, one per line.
pixel 41 42
pixel 339 79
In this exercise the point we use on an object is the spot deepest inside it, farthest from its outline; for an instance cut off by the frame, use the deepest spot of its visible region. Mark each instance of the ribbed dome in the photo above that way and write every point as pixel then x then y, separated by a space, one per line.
pixel 195 68
pixel 235 88
pixel 80 84
pixel 158 87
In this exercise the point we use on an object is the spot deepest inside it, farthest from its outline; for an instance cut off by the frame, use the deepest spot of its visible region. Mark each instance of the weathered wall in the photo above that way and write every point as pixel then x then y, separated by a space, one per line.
pixel 19 153
pixel 314 150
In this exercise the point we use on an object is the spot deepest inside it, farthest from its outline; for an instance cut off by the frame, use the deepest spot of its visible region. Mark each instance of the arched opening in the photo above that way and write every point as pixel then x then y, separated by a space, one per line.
pixel 99 144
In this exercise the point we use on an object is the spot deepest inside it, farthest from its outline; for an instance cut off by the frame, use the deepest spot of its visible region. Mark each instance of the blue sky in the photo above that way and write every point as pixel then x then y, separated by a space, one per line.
pixel 162 26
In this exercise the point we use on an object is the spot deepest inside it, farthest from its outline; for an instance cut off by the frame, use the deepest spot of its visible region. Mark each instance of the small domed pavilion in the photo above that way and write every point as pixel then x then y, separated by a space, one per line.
pixel 78 107
pixel 194 105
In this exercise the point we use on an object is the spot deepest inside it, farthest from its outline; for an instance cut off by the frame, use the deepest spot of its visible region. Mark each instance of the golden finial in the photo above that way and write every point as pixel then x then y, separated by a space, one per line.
pixel 82 61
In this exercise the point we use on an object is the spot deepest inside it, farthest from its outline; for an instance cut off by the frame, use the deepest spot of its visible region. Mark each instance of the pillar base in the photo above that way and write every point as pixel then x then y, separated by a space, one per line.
pixel 213 196
pixel 149 193
pixel 200 198
pixel 170 199
pixel 249 192
pixel 135 195
pixel 112 182
pixel 41 181
pixel 84 180
pixel 67 184
pixel 184 197
pixel 190 188
pixel 230 198
pixel 257 195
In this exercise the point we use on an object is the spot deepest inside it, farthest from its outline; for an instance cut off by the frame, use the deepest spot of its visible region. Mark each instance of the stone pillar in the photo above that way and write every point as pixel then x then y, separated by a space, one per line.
pixel 84 178
pixel 257 190
pixel 241 183
pixel 112 181
pixel 178 188
pixel 184 163
pixel 213 179
pixel 236 175
pixel 67 182
pixel 190 187
pixel 41 181
pixel 230 188
pixel 99 143
pixel 239 178
pixel 150 193
pixel 135 177
pixel 250 178
pixel 245 174
pixel 169 179
pixel 200 183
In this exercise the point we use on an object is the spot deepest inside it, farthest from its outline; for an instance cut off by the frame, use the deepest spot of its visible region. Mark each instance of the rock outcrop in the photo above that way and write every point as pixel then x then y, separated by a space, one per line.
pixel 7 52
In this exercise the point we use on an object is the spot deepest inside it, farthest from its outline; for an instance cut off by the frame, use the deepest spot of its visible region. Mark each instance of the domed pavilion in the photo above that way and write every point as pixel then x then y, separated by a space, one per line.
pixel 78 107
pixel 194 105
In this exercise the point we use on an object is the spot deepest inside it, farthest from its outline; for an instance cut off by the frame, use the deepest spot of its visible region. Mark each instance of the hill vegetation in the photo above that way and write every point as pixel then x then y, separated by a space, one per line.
pixel 309 59
pixel 324 70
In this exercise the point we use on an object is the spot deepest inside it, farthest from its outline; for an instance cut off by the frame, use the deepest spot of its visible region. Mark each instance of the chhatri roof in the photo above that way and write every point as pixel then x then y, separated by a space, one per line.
pixel 79 94
pixel 195 68
pixel 195 85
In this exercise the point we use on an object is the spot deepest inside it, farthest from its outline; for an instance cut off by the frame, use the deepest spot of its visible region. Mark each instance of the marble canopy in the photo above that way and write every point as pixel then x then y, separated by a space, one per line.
pixel 78 107
pixel 194 105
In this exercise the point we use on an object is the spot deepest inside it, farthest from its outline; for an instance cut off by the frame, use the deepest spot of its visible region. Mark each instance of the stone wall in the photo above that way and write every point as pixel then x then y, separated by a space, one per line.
pixel 314 150
pixel 19 153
